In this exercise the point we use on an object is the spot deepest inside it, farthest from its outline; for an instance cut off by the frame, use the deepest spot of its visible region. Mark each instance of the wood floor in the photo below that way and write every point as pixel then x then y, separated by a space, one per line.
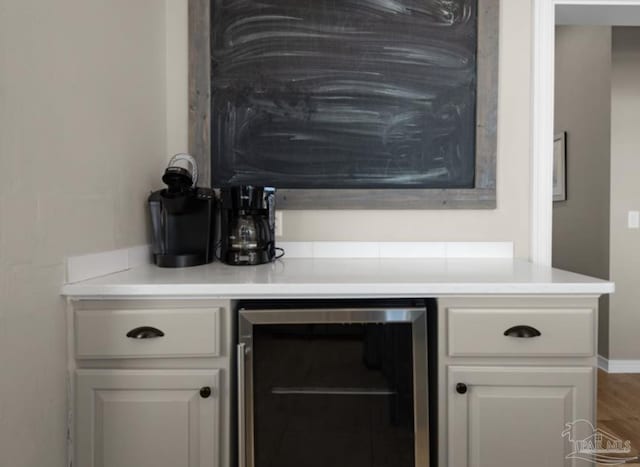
pixel 619 407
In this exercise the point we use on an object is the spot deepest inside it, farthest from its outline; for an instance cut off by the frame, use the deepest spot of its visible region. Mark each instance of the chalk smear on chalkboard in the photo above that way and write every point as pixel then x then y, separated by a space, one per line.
pixel 344 94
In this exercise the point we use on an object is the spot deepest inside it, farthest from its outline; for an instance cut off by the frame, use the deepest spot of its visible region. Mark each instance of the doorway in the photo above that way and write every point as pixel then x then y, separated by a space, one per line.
pixel 595 228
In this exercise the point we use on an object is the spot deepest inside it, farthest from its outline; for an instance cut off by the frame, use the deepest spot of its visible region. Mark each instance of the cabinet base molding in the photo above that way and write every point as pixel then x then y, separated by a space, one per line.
pixel 618 366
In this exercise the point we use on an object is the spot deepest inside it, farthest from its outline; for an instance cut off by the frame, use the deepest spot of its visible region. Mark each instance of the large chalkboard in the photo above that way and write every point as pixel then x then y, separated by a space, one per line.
pixel 344 93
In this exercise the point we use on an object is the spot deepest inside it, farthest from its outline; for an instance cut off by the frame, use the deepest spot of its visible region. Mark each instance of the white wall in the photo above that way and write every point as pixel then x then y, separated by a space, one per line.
pixel 509 222
pixel 82 142
pixel 625 194
pixel 583 110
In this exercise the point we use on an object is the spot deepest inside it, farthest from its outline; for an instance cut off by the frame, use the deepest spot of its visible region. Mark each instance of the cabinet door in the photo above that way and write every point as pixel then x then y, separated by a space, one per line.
pixel 512 416
pixel 147 418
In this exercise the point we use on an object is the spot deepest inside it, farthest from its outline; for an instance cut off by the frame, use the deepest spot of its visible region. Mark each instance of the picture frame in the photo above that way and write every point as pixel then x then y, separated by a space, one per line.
pixel 560 167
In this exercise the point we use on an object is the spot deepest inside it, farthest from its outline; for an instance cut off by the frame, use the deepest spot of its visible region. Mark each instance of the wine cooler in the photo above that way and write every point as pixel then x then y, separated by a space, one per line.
pixel 333 384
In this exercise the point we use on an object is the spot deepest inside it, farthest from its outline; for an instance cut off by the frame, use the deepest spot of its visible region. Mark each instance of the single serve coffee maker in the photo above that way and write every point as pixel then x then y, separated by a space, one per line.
pixel 247 225
pixel 182 217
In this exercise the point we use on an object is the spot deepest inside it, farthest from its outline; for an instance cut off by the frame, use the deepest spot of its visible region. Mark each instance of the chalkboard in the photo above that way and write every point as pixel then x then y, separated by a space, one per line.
pixel 344 93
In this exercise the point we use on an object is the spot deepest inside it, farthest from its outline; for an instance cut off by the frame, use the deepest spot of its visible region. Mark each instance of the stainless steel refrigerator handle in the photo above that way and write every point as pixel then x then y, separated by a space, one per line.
pixel 242 433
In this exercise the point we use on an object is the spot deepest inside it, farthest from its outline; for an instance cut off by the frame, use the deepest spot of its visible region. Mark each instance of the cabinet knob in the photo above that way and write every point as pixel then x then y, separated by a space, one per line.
pixel 522 331
pixel 461 388
pixel 145 332
pixel 205 392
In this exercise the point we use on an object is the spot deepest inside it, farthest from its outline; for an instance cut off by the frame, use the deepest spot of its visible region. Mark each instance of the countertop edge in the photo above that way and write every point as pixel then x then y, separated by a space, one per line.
pixel 242 291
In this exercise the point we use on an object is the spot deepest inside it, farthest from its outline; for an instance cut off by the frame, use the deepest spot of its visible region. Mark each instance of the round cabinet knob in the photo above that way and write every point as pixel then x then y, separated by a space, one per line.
pixel 461 388
pixel 205 392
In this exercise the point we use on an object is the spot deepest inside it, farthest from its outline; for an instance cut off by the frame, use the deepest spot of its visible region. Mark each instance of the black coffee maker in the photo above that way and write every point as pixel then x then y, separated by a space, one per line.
pixel 247 218
pixel 182 217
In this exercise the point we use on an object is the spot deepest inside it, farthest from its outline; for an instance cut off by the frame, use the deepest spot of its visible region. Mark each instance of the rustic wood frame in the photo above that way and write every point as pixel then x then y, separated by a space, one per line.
pixel 482 196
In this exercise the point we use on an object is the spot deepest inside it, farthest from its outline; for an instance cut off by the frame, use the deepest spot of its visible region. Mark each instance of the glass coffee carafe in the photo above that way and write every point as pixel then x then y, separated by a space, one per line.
pixel 248 232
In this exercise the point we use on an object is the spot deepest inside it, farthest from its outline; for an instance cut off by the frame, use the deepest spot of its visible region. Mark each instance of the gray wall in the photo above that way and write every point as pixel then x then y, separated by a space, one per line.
pixel 625 194
pixel 582 109
pixel 82 142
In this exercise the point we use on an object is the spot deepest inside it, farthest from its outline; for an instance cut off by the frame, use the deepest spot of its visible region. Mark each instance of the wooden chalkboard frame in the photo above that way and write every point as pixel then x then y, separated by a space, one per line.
pixel 482 196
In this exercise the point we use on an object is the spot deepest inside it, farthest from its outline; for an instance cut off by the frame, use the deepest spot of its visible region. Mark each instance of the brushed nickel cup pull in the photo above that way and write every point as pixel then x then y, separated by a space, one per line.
pixel 522 331
pixel 145 332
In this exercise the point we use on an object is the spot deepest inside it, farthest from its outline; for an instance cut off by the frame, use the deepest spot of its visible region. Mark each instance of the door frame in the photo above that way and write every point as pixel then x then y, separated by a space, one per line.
pixel 542 95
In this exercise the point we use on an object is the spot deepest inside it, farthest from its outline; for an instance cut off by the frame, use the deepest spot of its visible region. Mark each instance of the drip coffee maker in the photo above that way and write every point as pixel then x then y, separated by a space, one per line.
pixel 247 225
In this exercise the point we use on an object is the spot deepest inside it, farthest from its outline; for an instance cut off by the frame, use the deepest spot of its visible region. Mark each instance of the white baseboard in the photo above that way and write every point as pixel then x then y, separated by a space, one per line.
pixel 603 363
pixel 618 366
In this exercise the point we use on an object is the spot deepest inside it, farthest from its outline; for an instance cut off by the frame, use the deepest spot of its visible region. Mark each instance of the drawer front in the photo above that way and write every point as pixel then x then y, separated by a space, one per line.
pixel 185 332
pixel 481 332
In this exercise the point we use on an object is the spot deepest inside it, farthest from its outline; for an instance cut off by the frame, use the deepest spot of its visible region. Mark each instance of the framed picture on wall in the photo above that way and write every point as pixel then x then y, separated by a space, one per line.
pixel 560 167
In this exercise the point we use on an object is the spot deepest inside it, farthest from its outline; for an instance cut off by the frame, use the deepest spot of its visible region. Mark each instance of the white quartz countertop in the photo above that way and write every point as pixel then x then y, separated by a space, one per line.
pixel 341 278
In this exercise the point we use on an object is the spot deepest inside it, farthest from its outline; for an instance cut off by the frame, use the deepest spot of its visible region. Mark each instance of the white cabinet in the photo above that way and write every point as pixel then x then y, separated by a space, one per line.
pixel 528 367
pixel 147 418
pixel 151 383
pixel 515 416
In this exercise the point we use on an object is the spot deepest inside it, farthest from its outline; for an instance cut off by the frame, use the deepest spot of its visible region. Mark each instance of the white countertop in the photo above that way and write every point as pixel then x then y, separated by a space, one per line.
pixel 341 278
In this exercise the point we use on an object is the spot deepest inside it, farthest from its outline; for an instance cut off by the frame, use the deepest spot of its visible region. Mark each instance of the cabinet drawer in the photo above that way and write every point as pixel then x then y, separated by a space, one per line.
pixel 481 332
pixel 185 332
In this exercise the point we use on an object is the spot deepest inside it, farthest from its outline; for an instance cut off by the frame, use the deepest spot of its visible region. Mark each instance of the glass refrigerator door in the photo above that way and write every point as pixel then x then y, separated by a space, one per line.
pixel 339 395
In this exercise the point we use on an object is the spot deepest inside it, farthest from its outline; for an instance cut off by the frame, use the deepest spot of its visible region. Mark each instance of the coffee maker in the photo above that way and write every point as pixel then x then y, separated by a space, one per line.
pixel 182 217
pixel 247 218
